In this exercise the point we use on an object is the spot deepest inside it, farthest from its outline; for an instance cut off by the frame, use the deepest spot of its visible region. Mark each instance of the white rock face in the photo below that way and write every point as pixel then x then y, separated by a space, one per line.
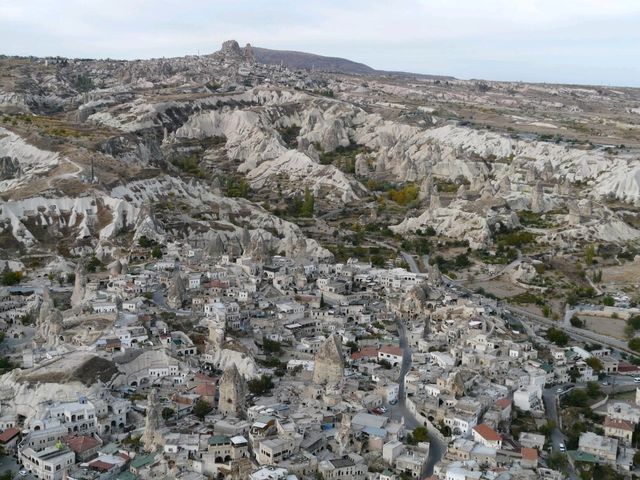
pixel 302 170
pixel 459 222
pixel 610 229
pixel 524 272
pixel 224 358
pixel 127 203
pixel 247 139
pixel 26 161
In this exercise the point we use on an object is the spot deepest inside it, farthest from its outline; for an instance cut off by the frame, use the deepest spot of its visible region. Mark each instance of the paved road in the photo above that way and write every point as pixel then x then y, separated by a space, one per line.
pixel 413 266
pixel 576 333
pixel 437 448
pixel 549 397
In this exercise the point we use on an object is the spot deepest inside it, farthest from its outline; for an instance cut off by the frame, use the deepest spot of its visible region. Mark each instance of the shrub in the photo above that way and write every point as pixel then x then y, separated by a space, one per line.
pixel 577 398
pixel 608 301
pixel 576 322
pixel 558 337
pixel 405 195
pixel 10 277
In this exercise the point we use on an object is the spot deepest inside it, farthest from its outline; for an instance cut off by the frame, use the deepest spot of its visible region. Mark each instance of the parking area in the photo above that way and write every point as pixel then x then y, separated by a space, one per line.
pixel 8 463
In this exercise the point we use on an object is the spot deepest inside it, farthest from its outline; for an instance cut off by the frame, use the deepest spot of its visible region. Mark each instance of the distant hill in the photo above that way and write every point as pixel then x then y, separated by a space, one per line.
pixel 310 61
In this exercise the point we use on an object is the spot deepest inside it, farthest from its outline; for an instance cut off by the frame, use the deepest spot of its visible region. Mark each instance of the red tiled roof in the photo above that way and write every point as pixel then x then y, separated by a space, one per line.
pixel 392 350
pixel 202 378
pixel 529 453
pixel 488 433
pixel 100 465
pixel 81 443
pixel 503 403
pixel 369 352
pixel 627 367
pixel 8 435
pixel 205 389
pixel 181 400
pixel 619 424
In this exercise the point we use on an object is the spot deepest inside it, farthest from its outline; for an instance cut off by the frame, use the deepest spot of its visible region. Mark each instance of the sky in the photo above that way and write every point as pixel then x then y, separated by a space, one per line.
pixel 556 41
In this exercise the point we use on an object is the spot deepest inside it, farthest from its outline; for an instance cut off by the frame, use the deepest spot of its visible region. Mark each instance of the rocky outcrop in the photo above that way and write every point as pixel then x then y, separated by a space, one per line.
pixel 462 220
pixel 79 286
pixel 22 162
pixel 49 325
pixel 177 291
pixel 329 362
pixel 324 180
pixel 152 437
pixel 233 391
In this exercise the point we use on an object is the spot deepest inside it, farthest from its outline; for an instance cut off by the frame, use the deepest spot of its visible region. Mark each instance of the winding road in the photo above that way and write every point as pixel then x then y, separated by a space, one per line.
pixel 437 448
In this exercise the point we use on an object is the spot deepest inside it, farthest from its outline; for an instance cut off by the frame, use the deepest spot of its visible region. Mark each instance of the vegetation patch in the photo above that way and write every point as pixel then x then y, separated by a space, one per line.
pixel 343 157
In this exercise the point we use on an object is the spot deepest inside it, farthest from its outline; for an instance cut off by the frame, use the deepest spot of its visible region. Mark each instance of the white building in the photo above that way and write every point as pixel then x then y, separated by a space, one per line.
pixel 51 463
pixel 104 307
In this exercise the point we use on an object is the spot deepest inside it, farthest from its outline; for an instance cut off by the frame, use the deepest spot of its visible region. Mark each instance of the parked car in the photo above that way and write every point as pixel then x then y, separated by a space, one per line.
pixel 562 447
pixel 636 380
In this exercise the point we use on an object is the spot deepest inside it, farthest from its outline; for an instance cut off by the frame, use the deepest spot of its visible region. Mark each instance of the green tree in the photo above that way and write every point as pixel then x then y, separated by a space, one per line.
pixel 168 413
pixel 201 409
pixel 271 346
pixel 635 322
pixel 634 344
pixel 593 390
pixel 307 204
pixel 557 461
pixel 94 264
pixel 144 242
pixel 353 346
pixel 156 252
pixel 419 434
pixel 595 363
pixel 557 336
pixel 589 254
pixel 548 428
pixel 577 398
pixel 462 261
pixel 260 386
pixel 629 331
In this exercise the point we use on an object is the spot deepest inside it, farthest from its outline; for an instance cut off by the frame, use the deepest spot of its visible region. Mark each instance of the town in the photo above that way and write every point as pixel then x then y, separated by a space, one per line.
pixel 198 364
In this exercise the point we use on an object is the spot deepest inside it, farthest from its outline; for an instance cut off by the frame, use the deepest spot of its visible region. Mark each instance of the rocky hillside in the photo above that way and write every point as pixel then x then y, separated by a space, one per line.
pixel 92 153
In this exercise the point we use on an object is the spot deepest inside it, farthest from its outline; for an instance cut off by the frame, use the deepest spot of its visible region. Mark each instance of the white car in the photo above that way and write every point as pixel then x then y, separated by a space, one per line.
pixel 562 447
pixel 636 380
pixel 23 473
